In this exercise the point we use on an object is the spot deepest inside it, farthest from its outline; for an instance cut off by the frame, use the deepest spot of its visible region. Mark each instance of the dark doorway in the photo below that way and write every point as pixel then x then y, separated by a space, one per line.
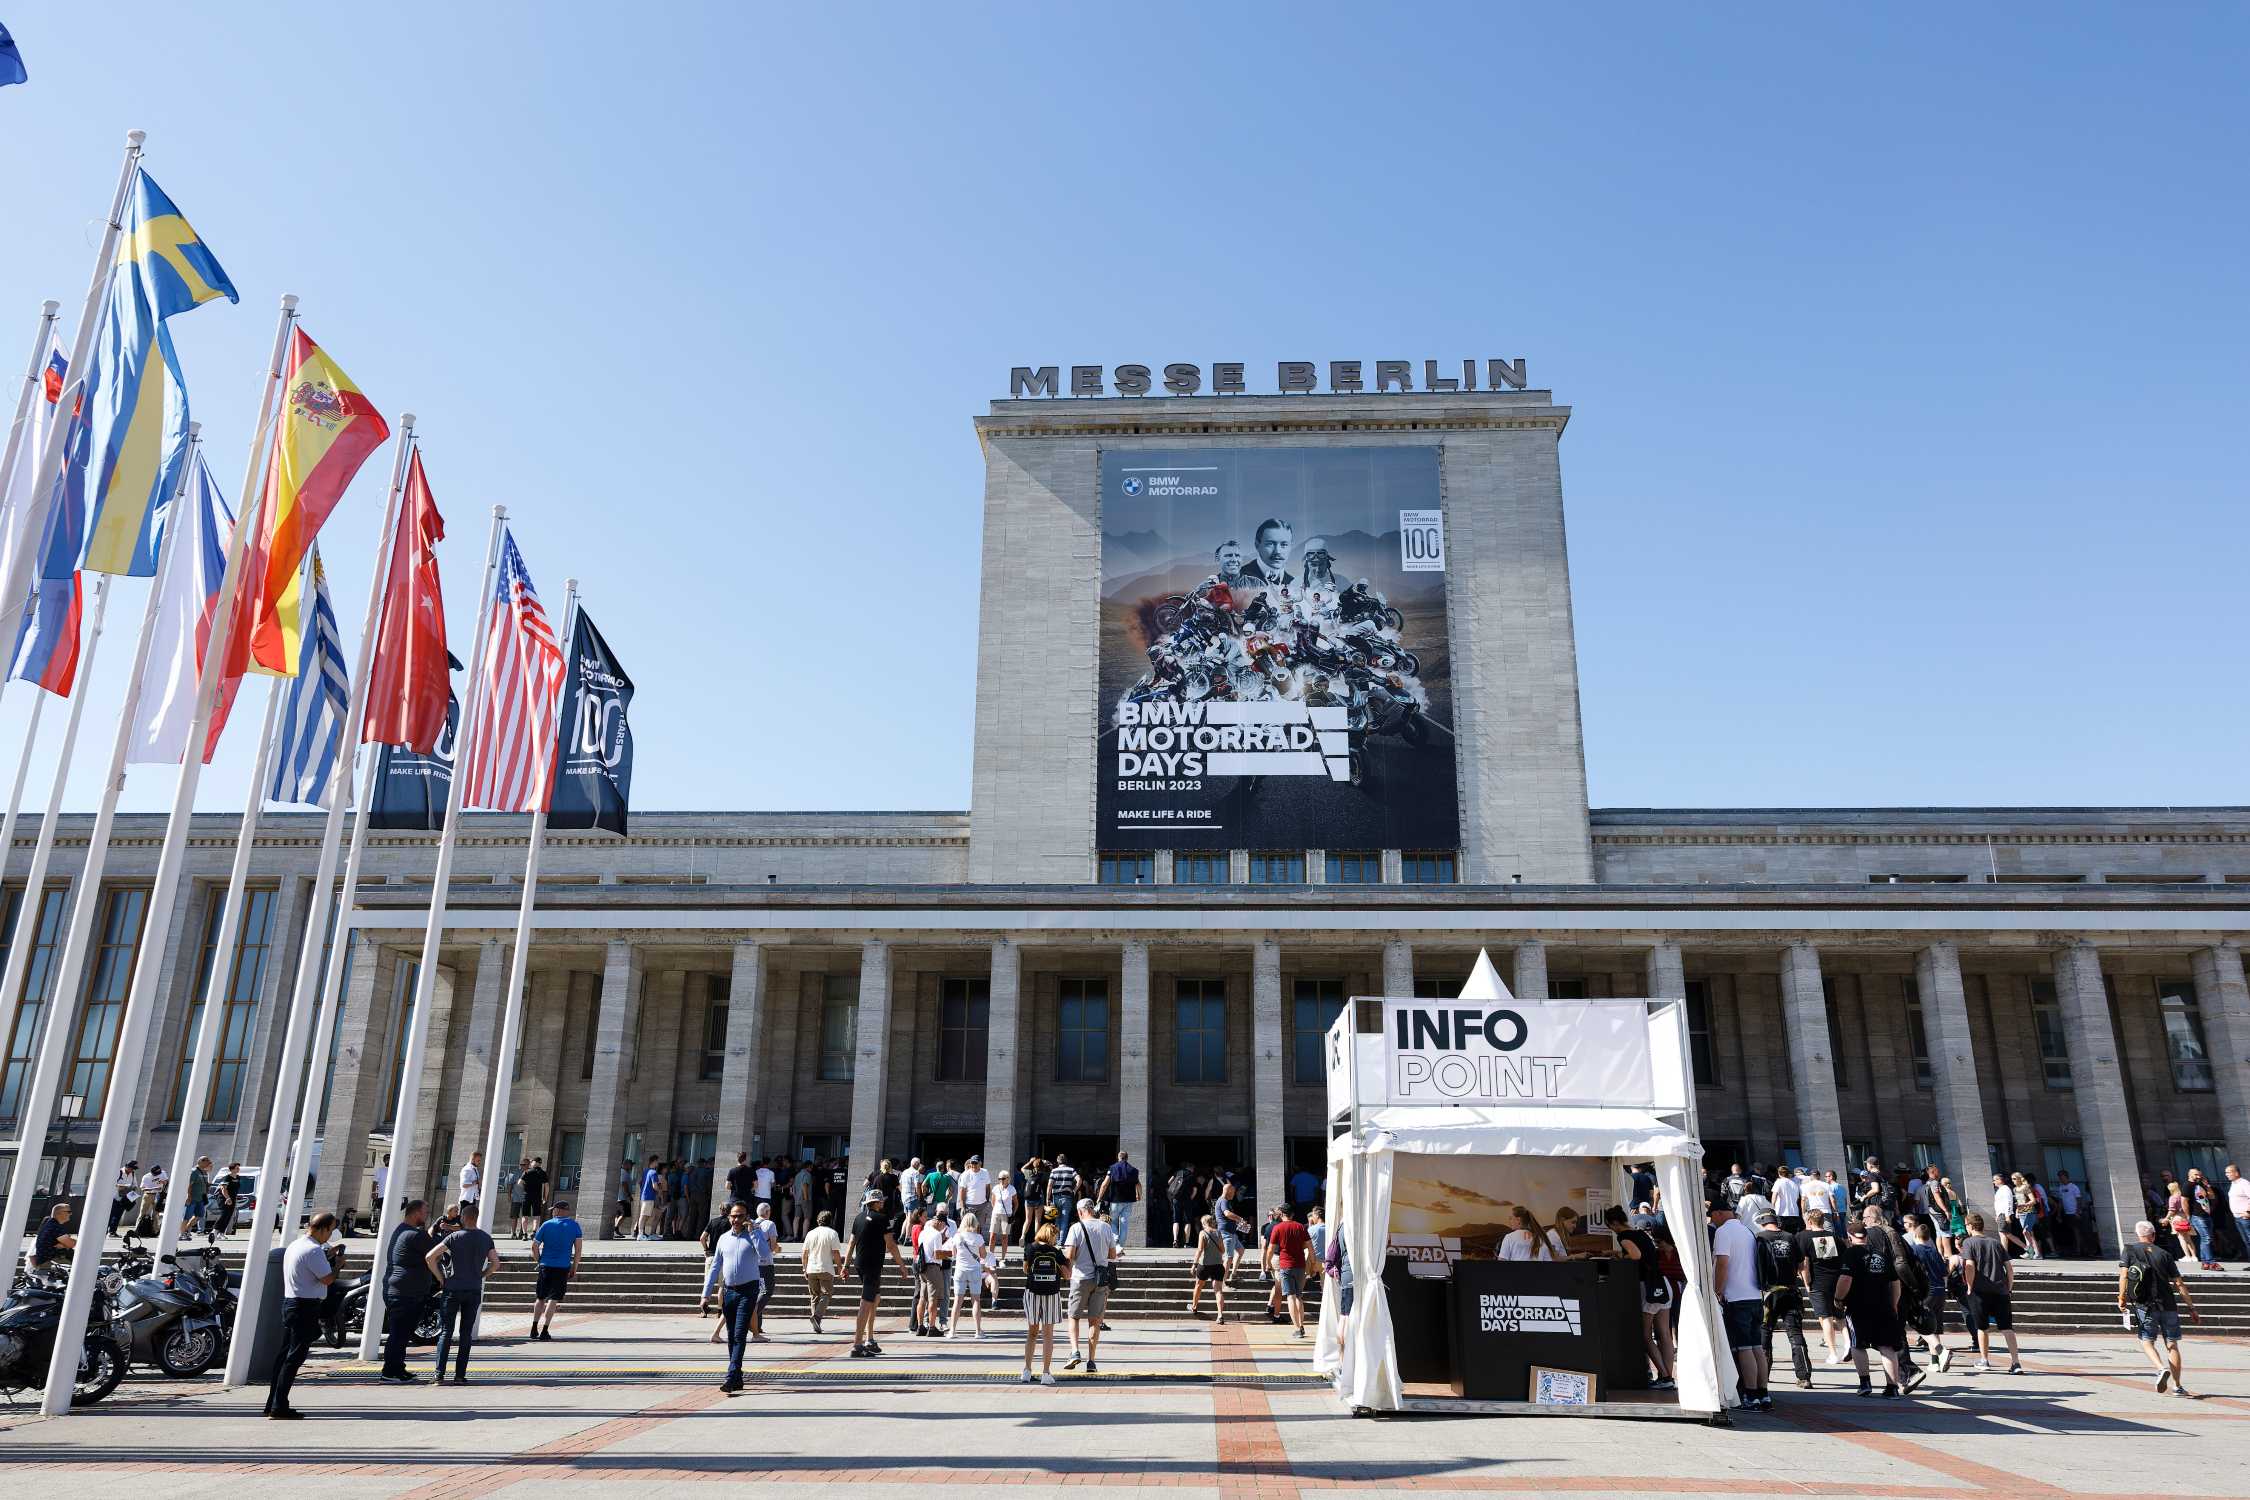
pixel 1090 1154
pixel 1305 1154
pixel 1203 1152
pixel 955 1147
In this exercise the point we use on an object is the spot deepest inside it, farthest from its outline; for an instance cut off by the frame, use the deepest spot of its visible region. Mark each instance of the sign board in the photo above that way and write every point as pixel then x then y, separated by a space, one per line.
pixel 1561 1387
pixel 1273 674
pixel 1577 1052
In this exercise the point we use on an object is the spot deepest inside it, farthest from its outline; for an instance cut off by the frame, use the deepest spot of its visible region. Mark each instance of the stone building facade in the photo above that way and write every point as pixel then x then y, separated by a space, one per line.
pixel 2047 988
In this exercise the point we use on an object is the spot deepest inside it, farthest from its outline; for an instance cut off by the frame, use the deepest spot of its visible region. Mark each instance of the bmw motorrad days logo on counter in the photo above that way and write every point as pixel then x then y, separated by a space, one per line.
pixel 1132 485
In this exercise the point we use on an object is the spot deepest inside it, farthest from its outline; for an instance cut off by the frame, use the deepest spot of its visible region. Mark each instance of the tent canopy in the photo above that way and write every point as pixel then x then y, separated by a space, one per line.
pixel 1528 1130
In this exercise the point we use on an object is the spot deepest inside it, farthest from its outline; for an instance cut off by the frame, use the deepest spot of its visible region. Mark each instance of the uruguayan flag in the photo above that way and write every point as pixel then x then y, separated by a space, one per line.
pixel 312 722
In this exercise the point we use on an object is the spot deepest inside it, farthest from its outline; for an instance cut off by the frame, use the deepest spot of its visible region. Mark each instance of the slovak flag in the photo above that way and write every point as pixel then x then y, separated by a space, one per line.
pixel 187 594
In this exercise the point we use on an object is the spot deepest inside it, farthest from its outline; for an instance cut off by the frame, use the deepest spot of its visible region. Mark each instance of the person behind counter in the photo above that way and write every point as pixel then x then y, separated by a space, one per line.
pixel 1639 1247
pixel 1529 1241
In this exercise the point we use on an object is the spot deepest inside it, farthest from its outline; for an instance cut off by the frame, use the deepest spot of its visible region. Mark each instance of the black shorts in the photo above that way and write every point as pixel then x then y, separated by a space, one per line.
pixel 1210 1272
pixel 1877 1327
pixel 554 1282
pixel 871 1285
pixel 1977 1307
pixel 1823 1301
pixel 1743 1324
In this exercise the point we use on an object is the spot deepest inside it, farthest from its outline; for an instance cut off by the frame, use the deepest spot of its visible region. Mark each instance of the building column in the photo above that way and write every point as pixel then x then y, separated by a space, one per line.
pixel 2225 1002
pixel 1270 1161
pixel 430 1087
pixel 358 1070
pixel 1398 967
pixel 472 1105
pixel 614 1035
pixel 739 1074
pixel 1003 1025
pixel 871 1058
pixel 1953 1062
pixel 2105 1125
pixel 1531 970
pixel 1667 972
pixel 545 1023
pixel 1804 1011
pixel 1133 1068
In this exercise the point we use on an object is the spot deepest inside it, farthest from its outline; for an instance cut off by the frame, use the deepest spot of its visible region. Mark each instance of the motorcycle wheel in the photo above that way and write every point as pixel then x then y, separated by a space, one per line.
pixel 186 1353
pixel 346 1330
pixel 433 1320
pixel 101 1364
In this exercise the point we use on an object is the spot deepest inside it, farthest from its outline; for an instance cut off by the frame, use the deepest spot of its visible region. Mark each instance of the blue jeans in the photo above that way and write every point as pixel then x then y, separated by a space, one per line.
pixel 457 1320
pixel 735 1306
pixel 1121 1214
pixel 2202 1238
pixel 2242 1227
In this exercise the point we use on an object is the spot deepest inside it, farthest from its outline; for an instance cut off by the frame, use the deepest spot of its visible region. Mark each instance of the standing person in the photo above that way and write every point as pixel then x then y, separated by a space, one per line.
pixel 307 1269
pixel 461 1261
pixel 408 1286
pixel 2149 1289
pixel 2069 1197
pixel 2238 1204
pixel 1734 1281
pixel 742 1179
pixel 1210 1270
pixel 974 1189
pixel 2203 1213
pixel 1121 1190
pixel 559 1241
pixel 968 1277
pixel 381 1179
pixel 1091 1251
pixel 909 1186
pixel 121 1196
pixel 472 1177
pixel 1289 1247
pixel 1003 1214
pixel 2027 1213
pixel 1784 1297
pixel 872 1242
pixel 198 1188
pixel 1789 1203
pixel 933 1247
pixel 821 1258
pixel 513 1182
pixel 734 1268
pixel 802 1209
pixel 1043 1268
pixel 227 1192
pixel 535 1181
pixel 651 1226
pixel 768 1235
pixel 1032 1181
pixel 1953 1223
pixel 1186 1203
pixel 761 1187
pixel 1932 1319
pixel 1062 1186
pixel 1869 1288
pixel 1988 1280
pixel 1639 1247
pixel 1233 1228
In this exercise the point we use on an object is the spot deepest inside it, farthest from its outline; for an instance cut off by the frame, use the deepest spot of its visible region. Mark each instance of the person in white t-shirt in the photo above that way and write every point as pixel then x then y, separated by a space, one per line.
pixel 472 1177
pixel 823 1252
pixel 974 1188
pixel 1741 1305
pixel 761 1190
pixel 1092 1253
pixel 1528 1241
pixel 1004 1200
pixel 1788 1201
pixel 932 1249
pixel 968 1246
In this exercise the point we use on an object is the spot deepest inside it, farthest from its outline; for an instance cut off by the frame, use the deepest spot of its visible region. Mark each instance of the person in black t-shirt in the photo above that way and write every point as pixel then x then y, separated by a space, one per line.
pixel 1784 1295
pixel 871 1240
pixel 741 1177
pixel 838 1183
pixel 55 1238
pixel 534 1180
pixel 2150 1290
pixel 1869 1289
pixel 1820 1261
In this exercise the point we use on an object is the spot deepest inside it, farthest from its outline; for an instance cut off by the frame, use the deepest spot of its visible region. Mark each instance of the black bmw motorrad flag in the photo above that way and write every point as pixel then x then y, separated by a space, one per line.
pixel 411 789
pixel 594 751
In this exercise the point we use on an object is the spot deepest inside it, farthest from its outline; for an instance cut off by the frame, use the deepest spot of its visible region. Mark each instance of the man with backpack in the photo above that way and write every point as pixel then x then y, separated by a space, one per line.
pixel 1781 1262
pixel 2149 1290
pixel 1913 1291
pixel 1187 1205
pixel 1735 1281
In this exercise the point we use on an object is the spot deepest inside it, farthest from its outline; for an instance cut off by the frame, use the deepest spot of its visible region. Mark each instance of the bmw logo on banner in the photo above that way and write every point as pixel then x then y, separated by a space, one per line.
pixel 1132 485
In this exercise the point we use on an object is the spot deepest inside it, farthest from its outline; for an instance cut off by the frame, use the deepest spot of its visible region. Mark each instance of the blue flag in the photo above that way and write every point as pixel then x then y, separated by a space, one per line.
pixel 594 751
pixel 11 61
pixel 411 789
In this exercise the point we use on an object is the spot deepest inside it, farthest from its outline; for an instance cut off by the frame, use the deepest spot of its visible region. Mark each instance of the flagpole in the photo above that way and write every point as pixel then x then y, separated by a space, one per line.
pixel 219 981
pixel 140 1001
pixel 23 774
pixel 511 1021
pixel 62 991
pixel 22 420
pixel 425 978
pixel 278 1120
pixel 15 588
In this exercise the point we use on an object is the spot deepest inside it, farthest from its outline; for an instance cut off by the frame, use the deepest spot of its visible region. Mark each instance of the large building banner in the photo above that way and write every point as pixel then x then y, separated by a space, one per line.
pixel 1275 669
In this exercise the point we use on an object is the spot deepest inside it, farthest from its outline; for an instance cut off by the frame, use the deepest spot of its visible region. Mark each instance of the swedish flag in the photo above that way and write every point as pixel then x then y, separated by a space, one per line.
pixel 137 405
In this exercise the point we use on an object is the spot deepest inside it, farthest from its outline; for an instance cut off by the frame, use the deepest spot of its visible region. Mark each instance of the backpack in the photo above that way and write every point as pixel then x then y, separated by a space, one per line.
pixel 1042 1271
pixel 2140 1282
pixel 1775 1269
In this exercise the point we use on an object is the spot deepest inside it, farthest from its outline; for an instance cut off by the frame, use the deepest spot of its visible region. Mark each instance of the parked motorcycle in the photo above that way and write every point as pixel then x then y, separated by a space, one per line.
pixel 346 1315
pixel 173 1312
pixel 27 1338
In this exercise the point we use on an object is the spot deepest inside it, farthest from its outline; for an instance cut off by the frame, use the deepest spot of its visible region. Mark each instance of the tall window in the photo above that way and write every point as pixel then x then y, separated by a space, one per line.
pixel 1127 869
pixel 1313 1008
pixel 2183 1035
pixel 586 990
pixel 38 982
pixel 964 1019
pixel 1918 1040
pixel 1835 1036
pixel 2054 1042
pixel 239 1008
pixel 1426 867
pixel 1355 867
pixel 1701 1056
pixel 1278 868
pixel 1082 1032
pixel 718 991
pixel 839 1027
pixel 1199 1031
pixel 402 1007
pixel 1201 868
pixel 112 978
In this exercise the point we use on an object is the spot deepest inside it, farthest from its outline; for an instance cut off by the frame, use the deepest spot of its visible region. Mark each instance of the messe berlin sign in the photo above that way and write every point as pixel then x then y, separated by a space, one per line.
pixel 1291 377
pixel 1582 1052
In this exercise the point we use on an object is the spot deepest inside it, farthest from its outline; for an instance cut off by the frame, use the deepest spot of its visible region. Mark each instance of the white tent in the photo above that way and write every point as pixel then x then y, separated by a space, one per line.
pixel 1358 1351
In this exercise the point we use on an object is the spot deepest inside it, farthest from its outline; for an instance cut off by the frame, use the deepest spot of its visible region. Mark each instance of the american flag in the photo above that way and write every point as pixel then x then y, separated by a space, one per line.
pixel 511 759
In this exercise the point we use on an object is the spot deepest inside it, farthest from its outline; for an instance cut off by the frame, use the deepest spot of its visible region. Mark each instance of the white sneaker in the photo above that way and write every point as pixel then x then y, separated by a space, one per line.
pixel 1982 1367
pixel 1047 1379
pixel 1025 1377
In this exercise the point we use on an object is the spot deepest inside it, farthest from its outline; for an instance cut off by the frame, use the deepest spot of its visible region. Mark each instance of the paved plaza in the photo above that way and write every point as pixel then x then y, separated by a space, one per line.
pixel 631 1401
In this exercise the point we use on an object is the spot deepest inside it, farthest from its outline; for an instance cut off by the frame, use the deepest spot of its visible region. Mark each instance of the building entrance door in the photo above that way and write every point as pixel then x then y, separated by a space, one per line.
pixel 955 1147
pixel 1090 1154
pixel 1203 1152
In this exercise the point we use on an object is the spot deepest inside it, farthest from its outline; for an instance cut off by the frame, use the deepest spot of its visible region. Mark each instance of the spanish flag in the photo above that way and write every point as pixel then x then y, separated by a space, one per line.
pixel 327 430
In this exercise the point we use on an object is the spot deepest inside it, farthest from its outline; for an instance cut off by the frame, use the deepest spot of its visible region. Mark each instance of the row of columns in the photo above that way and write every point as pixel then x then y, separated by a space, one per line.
pixel 2098 1076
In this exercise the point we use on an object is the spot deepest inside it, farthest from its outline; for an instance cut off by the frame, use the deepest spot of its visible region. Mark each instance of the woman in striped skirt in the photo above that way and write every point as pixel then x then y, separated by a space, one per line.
pixel 1042 1301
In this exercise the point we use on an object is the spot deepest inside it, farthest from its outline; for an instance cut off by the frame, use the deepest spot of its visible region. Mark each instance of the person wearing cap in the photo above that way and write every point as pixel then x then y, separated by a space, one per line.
pixel 1785 1294
pixel 974 1188
pixel 871 1241
pixel 1735 1282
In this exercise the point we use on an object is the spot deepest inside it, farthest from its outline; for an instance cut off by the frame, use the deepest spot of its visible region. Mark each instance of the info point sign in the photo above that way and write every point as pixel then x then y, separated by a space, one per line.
pixel 1582 1052
pixel 1276 669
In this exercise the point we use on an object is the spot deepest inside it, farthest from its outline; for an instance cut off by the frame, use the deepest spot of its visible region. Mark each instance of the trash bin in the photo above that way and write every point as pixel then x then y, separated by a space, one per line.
pixel 273 1308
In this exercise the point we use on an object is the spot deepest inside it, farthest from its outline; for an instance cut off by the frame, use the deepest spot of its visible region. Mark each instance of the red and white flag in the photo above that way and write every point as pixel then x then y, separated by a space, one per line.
pixel 408 686
pixel 511 746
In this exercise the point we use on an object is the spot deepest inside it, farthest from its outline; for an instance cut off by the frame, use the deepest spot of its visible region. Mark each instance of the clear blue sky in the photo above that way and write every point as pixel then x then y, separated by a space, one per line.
pixel 1907 351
